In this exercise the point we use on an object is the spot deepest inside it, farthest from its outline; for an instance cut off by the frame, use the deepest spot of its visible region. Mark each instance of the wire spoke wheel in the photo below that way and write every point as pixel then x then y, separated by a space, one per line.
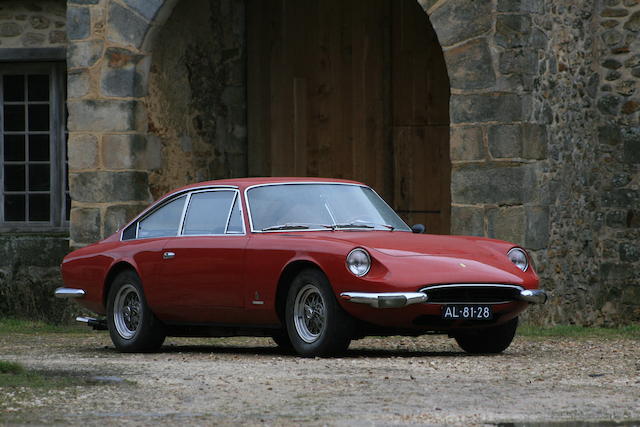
pixel 127 311
pixel 310 313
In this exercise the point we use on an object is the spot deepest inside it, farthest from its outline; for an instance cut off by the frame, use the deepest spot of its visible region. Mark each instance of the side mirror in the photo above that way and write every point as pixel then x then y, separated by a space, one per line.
pixel 418 228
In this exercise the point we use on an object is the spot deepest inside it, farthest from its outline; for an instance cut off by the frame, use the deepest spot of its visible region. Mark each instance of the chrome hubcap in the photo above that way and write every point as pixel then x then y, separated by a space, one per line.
pixel 309 314
pixel 127 311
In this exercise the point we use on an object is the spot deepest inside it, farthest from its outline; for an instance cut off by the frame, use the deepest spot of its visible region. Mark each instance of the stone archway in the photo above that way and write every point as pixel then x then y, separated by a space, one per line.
pixel 495 147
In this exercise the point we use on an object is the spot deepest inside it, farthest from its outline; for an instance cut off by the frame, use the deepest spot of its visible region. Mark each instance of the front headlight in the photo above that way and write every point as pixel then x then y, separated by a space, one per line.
pixel 358 262
pixel 519 258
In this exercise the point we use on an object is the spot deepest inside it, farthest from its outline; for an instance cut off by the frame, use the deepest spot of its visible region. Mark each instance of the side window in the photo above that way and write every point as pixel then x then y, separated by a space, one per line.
pixel 208 212
pixel 235 221
pixel 164 222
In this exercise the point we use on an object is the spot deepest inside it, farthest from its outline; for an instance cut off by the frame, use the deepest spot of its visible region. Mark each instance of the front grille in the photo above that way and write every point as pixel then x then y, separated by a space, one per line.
pixel 463 293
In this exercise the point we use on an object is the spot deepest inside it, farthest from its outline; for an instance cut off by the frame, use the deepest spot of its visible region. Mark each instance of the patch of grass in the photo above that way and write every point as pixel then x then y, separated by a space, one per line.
pixel 15 375
pixel 571 331
pixel 21 326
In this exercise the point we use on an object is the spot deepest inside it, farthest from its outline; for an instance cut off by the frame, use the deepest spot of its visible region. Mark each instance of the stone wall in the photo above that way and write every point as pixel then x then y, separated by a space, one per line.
pixel 32 24
pixel 197 95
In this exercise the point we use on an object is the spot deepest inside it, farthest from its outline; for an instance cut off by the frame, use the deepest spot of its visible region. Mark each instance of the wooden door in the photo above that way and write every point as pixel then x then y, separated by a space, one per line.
pixel 340 89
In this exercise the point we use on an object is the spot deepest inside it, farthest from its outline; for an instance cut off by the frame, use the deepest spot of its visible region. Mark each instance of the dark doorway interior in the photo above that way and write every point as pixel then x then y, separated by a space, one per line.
pixel 351 89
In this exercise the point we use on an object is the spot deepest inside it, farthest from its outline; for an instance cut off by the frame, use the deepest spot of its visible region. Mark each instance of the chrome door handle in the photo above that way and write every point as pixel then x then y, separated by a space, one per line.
pixel 168 255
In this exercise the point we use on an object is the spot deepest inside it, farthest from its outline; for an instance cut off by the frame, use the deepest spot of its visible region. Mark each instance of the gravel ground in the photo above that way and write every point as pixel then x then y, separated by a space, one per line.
pixel 380 381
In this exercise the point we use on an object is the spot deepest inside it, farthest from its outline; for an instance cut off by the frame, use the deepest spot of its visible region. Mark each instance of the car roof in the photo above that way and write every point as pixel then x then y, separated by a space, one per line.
pixel 243 183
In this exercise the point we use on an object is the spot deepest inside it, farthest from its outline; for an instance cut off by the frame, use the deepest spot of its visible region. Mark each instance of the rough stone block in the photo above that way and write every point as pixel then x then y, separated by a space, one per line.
pixel 470 65
pixel 77 84
pixel 487 183
pixel 631 139
pixel 537 227
pixel 611 37
pixel 78 23
pixel 513 30
pixel 459 20
pixel 10 29
pixel 609 104
pixel 621 198
pixel 506 223
pixel 534 6
pixel 82 151
pixel 39 22
pixel 122 82
pixel 614 12
pixel 492 107
pixel 102 186
pixel 117 216
pixel 85 225
pixel 519 61
pixel 104 116
pixel 466 143
pixel 609 135
pixel 33 39
pixel 84 54
pixel 467 221
pixel 125 27
pixel 534 141
pixel 83 1
pixel 124 151
pixel 616 272
pixel 629 252
pixel 58 37
pixel 505 141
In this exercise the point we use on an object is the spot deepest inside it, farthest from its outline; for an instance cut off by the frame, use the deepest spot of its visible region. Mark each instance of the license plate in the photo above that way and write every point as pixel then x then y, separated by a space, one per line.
pixel 471 312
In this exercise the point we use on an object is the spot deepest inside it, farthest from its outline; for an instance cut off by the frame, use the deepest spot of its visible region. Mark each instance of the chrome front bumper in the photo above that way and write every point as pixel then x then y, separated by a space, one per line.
pixel 403 299
pixel 69 293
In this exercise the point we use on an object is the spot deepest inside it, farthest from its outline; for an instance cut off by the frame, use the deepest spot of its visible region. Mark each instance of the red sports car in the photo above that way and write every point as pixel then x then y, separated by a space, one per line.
pixel 313 263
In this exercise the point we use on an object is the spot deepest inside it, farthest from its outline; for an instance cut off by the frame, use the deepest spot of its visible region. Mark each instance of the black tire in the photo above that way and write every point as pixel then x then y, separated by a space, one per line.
pixel 282 341
pixel 324 329
pixel 491 340
pixel 132 326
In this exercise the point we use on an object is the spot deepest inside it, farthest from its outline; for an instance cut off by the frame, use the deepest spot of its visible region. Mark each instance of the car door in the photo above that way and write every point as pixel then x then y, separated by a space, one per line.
pixel 202 268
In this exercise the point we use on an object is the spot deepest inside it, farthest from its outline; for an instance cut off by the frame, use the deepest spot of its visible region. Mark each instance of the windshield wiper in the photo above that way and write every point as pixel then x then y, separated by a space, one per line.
pixel 361 225
pixel 286 227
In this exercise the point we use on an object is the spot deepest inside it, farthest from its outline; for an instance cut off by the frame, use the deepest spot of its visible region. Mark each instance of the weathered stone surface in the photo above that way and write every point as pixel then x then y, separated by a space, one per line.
pixel 614 12
pixel 124 151
pixel 58 37
pixel 83 1
pixel 467 221
pixel 633 23
pixel 612 37
pixel 506 223
pixel 33 39
pixel 124 73
pixel 78 23
pixel 534 141
pixel 117 216
pixel 10 29
pixel 102 186
pixel 86 225
pixel 630 107
pixel 491 107
pixel 470 65
pixel 125 27
pixel 629 252
pixel 534 6
pixel 512 30
pixel 612 64
pixel 609 104
pixel 103 116
pixel 631 139
pixel 84 54
pixel 626 88
pixel 616 272
pixel 487 183
pixel 39 22
pixel 520 61
pixel 147 8
pixel 505 141
pixel 459 20
pixel 466 143
pixel 621 198
pixel 77 83
pixel 537 227
pixel 83 151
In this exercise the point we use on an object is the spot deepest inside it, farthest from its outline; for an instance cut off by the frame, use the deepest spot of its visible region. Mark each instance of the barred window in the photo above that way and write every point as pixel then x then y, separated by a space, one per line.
pixel 34 193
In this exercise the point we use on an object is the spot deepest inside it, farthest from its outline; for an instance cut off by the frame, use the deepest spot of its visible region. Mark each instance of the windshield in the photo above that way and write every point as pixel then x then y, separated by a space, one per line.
pixel 320 206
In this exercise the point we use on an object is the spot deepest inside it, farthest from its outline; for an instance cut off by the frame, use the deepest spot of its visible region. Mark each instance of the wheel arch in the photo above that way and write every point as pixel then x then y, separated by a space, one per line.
pixel 284 282
pixel 115 269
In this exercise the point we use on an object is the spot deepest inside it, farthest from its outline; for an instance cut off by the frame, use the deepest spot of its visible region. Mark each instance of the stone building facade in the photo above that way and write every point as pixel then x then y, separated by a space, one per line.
pixel 543 111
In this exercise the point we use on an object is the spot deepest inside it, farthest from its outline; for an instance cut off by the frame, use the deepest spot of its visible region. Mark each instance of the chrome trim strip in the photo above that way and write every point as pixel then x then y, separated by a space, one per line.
pixel 385 299
pixel 183 215
pixel 233 202
pixel 69 293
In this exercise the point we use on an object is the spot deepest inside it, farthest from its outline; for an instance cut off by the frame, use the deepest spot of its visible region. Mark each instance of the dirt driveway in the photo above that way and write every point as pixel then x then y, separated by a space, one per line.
pixel 425 380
